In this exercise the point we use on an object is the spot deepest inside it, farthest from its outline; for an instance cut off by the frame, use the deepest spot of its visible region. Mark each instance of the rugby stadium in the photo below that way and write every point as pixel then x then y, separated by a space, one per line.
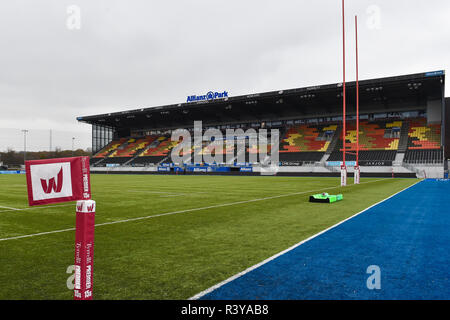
pixel 243 198
pixel 226 230
pixel 403 130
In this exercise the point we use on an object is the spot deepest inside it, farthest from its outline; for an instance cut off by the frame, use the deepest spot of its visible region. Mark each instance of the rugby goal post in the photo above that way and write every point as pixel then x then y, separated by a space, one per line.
pixel 357 172
pixel 344 128
pixel 344 131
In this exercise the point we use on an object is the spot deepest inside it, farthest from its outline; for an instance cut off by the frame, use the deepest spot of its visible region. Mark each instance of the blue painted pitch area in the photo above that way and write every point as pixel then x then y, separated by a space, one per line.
pixel 407 236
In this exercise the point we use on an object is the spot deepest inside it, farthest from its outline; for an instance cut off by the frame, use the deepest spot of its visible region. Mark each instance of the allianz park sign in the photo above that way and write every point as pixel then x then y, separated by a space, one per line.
pixel 209 96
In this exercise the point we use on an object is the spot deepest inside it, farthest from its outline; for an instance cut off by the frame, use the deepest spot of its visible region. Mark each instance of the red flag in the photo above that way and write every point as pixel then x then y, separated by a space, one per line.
pixel 58 180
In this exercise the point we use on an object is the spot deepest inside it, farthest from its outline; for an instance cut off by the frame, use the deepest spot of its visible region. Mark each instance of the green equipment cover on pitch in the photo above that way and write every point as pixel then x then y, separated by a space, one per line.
pixel 325 198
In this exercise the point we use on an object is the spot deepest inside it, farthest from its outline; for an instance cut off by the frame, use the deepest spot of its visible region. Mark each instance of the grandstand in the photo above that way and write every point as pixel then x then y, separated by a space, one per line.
pixel 403 129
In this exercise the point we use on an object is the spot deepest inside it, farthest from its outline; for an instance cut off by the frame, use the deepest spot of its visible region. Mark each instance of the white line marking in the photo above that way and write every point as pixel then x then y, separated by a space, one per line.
pixel 160 193
pixel 220 284
pixel 9 208
pixel 147 191
pixel 188 210
pixel 184 194
pixel 38 234
pixel 38 207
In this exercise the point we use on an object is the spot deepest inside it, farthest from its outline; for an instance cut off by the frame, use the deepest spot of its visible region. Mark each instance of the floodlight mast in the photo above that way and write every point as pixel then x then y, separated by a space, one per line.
pixel 24 146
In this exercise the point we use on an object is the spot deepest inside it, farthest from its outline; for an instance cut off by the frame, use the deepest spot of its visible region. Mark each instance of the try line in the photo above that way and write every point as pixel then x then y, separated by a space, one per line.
pixel 34 208
pixel 9 208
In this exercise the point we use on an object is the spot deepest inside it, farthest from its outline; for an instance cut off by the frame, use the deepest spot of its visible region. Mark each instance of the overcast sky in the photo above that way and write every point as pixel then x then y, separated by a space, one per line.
pixel 63 59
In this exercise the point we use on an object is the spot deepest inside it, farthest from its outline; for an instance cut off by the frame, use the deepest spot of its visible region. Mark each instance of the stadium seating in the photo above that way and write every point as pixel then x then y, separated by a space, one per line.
pixel 374 155
pixel 378 135
pixel 156 149
pixel 306 143
pixel 423 136
pixel 132 147
pixel 163 148
pixel 424 143
pixel 424 156
pixel 114 160
pixel 307 138
pixel 209 148
pixel 140 161
pixel 299 158
pixel 93 161
pixel 110 147
pixel 121 150
pixel 378 142
pixel 301 144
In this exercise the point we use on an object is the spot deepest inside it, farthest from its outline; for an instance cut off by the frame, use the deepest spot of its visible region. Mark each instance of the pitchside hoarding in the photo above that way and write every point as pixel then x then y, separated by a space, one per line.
pixel 58 180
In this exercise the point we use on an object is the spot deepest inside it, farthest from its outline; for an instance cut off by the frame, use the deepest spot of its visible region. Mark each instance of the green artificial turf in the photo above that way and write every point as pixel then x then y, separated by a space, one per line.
pixel 173 256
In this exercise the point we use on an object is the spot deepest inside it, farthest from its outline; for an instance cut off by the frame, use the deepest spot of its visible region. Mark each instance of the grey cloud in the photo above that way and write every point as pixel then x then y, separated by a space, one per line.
pixel 130 54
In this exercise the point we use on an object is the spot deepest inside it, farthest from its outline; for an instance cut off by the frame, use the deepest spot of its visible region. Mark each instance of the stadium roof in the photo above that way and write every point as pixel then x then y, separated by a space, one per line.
pixel 389 94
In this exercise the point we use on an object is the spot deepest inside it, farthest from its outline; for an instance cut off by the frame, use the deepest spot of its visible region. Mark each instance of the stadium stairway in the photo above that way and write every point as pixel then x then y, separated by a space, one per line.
pixel 419 173
pixel 332 145
pixel 140 152
pixel 152 145
pixel 403 142
pixel 120 143
pixel 240 154
pixel 95 163
pixel 398 159
pixel 324 158
pixel 164 160
pixel 334 141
